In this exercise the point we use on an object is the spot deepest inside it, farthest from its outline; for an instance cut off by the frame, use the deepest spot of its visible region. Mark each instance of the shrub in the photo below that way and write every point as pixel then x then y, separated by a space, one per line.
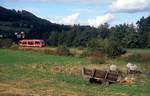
pixel 113 48
pixel 5 43
pixel 62 50
pixel 107 46
pixel 86 53
pixel 97 44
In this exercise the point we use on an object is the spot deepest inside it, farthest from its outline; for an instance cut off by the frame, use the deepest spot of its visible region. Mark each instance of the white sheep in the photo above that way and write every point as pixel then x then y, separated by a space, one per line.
pixel 129 64
pixel 113 67
pixel 133 67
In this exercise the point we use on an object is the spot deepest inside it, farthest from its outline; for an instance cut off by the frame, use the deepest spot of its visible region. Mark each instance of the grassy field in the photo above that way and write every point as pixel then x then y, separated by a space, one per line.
pixel 25 73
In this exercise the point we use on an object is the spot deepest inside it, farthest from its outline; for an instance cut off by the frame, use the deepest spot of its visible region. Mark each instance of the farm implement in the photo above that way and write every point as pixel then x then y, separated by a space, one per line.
pixel 100 76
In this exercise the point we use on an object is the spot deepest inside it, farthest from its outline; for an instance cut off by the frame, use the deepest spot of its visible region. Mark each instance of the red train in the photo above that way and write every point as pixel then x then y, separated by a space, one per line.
pixel 32 43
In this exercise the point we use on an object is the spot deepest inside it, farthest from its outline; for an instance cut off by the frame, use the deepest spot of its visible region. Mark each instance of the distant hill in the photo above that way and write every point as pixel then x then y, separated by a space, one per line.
pixel 12 21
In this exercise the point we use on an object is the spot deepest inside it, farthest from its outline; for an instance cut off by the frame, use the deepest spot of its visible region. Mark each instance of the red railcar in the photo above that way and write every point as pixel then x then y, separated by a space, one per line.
pixel 32 43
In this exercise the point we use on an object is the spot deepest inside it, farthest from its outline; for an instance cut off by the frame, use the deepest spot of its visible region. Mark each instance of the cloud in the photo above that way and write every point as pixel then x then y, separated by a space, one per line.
pixel 130 6
pixel 100 20
pixel 74 19
pixel 68 20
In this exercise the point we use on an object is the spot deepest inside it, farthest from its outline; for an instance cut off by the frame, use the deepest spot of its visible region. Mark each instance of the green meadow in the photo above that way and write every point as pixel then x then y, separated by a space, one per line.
pixel 24 73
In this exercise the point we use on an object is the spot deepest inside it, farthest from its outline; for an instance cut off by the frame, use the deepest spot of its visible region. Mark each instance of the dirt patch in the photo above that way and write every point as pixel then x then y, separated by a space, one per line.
pixel 69 94
pixel 12 90
pixel 13 94
pixel 69 69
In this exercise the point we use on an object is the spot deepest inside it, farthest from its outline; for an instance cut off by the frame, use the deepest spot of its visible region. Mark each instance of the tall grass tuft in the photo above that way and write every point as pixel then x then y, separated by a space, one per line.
pixel 63 51
pixel 96 57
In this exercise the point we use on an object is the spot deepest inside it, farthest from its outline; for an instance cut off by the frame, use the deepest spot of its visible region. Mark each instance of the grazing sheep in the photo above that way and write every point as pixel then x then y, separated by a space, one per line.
pixel 132 69
pixel 129 64
pixel 113 67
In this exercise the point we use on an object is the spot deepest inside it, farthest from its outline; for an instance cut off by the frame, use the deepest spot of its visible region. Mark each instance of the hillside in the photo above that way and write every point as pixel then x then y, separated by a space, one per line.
pixel 12 21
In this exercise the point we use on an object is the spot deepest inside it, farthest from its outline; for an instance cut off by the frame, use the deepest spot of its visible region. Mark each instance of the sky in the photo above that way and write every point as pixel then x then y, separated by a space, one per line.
pixel 84 12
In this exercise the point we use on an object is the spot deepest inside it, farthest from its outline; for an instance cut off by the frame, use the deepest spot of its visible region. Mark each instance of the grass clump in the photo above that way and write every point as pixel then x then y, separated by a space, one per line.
pixel 95 56
pixel 63 51
pixel 49 51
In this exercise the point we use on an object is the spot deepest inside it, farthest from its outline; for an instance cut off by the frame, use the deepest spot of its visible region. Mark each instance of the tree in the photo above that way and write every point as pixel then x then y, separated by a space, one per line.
pixel 131 38
pixel 103 30
pixel 70 35
pixel 144 31
pixel 53 39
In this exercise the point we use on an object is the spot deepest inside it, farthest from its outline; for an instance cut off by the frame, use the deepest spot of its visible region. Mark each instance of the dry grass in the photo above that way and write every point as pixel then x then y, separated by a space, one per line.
pixel 51 50
pixel 136 57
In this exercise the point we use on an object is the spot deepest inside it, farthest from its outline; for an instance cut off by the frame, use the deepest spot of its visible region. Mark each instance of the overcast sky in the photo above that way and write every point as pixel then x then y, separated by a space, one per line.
pixel 84 12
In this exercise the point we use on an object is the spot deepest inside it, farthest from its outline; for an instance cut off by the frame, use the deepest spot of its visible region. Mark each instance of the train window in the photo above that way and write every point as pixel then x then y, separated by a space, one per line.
pixel 30 43
pixel 20 42
pixel 36 42
pixel 24 42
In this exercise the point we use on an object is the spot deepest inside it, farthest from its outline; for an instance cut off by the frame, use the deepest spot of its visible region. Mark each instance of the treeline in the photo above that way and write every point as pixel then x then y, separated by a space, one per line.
pixel 126 35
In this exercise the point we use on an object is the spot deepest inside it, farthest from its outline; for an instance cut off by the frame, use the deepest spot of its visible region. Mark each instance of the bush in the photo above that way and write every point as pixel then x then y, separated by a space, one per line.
pixel 62 50
pixel 96 44
pixel 86 53
pixel 5 43
pixel 107 46
pixel 113 48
